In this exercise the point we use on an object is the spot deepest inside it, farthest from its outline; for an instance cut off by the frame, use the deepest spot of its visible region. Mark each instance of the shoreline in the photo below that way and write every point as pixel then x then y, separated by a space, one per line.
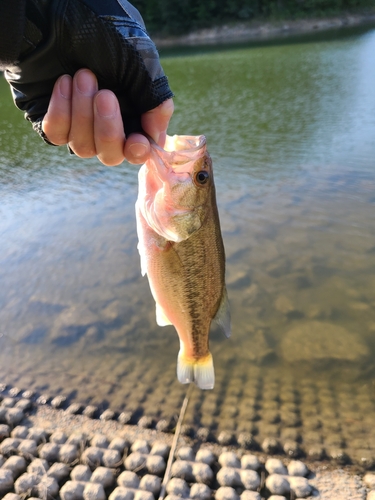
pixel 265 30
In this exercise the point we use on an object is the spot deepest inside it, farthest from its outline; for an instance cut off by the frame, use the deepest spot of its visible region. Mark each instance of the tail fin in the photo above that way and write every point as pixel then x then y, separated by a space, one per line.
pixel 200 371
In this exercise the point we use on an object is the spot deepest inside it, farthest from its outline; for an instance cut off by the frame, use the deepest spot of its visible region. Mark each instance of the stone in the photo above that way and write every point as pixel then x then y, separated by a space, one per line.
pixel 58 471
pixel 111 458
pixel 58 401
pixel 9 446
pixel 369 480
pixel 205 456
pixel 150 483
pixel 135 461
pixel 28 447
pixel 297 468
pixel 250 495
pixel 270 446
pixel 226 493
pixel 155 464
pixel 121 494
pixel 143 495
pixel 370 495
pixel 250 479
pixel 276 497
pixel 141 446
pixel 13 416
pixel 229 459
pixel 38 467
pixel 94 491
pixel 90 411
pixel 17 465
pixel 100 441
pixel 318 341
pixel 47 487
pixel 275 466
pixel 68 453
pixel 160 448
pixel 225 438
pixel 119 444
pixel 200 492
pixel 145 422
pixel 4 431
pixel 49 452
pixel 81 473
pixel 20 432
pixel 25 483
pixel 37 434
pixel 250 462
pixel 300 486
pixel 6 480
pixel 72 490
pixel 92 456
pixel 179 487
pixel 58 437
pixel 202 473
pixel 128 479
pixel 12 496
pixel 186 453
pixel 103 476
pixel 277 484
pixel 183 470
pixel 228 476
pixel 260 348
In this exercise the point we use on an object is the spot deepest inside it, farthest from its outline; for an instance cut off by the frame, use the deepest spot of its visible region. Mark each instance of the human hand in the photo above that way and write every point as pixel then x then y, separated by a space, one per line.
pixel 90 123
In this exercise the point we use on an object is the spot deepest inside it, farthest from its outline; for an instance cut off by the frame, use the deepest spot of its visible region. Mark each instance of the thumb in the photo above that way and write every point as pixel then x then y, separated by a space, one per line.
pixel 155 122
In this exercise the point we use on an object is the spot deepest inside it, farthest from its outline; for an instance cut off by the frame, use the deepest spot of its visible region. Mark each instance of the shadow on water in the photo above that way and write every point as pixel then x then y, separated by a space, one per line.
pixel 291 134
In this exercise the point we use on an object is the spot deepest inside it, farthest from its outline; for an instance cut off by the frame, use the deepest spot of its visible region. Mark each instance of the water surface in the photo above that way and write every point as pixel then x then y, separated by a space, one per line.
pixel 291 129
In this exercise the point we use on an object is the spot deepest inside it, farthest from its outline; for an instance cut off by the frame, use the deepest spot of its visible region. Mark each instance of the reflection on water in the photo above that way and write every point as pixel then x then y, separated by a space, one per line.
pixel 291 131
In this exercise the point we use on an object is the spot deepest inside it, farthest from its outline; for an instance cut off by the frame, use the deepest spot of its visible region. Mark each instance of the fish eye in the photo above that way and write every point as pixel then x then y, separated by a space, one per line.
pixel 202 177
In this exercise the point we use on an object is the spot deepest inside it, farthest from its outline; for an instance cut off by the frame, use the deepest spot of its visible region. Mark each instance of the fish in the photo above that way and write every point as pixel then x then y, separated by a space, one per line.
pixel 181 250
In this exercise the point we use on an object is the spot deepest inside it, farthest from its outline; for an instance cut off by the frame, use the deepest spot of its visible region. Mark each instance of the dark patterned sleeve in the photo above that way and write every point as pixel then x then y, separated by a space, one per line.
pixel 107 37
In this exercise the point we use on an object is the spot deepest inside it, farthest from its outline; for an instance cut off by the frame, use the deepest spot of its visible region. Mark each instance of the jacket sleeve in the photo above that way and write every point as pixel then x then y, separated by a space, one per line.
pixel 110 39
pixel 12 25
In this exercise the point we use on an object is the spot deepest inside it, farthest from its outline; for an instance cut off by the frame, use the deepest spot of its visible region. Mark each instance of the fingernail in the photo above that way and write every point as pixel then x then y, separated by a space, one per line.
pixel 138 149
pixel 106 105
pixel 86 83
pixel 65 87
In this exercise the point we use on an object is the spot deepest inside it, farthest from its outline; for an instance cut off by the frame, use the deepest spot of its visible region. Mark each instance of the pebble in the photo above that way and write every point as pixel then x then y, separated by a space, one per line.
pixel 90 411
pixel 17 465
pixel 128 479
pixel 19 432
pixel 94 491
pixel 226 493
pixel 300 486
pixel 150 483
pixel 37 434
pixel 228 476
pixel 68 453
pixel 49 452
pixel 121 494
pixel 92 456
pixel 370 495
pixel 46 487
pixel 297 468
pixel 13 416
pixel 275 466
pixel 38 467
pixel 26 482
pixel 81 473
pixel 145 422
pixel 103 476
pixel 250 479
pixel 111 458
pixel 12 496
pixel 202 473
pixel 100 441
pixel 4 431
pixel 72 490
pixel 6 480
pixel 58 401
pixel 200 492
pixel 141 446
pixel 125 417
pixel 28 447
pixel 9 446
pixel 155 464
pixel 135 461
pixel 369 480
pixel 270 446
pixel 277 485
pixel 59 471
pixel 205 456
pixel 118 444
pixel 277 497
pixel 74 409
pixel 250 462
pixel 229 459
pixel 225 438
pixel 186 453
pixel 183 470
pixel 179 487
pixel 250 495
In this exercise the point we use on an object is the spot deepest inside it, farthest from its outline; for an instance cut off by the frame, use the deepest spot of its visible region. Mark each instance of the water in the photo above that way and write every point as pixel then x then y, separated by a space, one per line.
pixel 291 130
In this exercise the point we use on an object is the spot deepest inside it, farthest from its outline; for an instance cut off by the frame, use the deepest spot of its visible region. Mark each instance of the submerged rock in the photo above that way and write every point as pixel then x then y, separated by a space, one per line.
pixel 322 341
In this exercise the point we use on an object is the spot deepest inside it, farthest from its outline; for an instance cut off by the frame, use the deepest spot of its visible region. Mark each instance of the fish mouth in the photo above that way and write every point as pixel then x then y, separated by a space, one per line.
pixel 178 155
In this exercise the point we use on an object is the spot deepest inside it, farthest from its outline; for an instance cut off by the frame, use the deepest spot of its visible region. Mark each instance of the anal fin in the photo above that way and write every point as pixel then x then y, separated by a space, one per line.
pixel 222 317
pixel 161 317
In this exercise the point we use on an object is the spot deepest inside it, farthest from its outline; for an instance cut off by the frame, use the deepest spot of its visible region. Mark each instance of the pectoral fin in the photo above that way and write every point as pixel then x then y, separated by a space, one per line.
pixel 161 318
pixel 222 317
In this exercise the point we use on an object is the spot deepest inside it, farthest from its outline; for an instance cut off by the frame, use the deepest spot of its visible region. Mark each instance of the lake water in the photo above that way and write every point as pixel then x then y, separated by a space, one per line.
pixel 291 130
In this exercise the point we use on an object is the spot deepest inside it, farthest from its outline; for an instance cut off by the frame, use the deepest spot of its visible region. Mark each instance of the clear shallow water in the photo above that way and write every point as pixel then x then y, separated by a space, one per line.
pixel 291 129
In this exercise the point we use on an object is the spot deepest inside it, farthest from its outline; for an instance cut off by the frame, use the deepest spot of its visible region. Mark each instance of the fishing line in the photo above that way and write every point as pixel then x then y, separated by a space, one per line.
pixel 174 443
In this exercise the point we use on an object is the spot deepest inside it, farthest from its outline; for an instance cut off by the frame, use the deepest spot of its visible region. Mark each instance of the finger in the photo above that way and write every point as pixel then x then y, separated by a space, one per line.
pixel 81 136
pixel 56 123
pixel 155 122
pixel 137 148
pixel 108 128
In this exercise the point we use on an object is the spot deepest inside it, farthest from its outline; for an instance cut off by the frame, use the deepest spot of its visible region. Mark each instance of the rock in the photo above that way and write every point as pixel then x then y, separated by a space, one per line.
pixel 150 483
pixel 260 348
pixel 300 486
pixel 128 479
pixel 369 480
pixel 283 304
pixel 319 341
pixel 178 487
pixel 250 479
pixel 141 446
pixel 250 462
pixel 275 466
pixel 183 470
pixel 228 476
pixel 186 453
pixel 103 476
pixel 200 492
pixel 226 493
pixel 229 459
pixel 155 464
pixel 250 495
pixel 17 465
pixel 205 456
pixel 59 471
pixel 6 480
pixel 81 473
pixel 370 495
pixel 277 485
pixel 135 461
pixel 297 468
